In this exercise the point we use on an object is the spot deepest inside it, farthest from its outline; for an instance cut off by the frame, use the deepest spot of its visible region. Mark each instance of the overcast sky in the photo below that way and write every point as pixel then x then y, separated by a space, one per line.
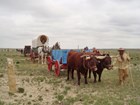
pixel 73 23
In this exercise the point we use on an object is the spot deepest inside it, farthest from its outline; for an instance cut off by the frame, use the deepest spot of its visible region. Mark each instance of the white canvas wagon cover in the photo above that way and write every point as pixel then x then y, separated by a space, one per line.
pixel 40 41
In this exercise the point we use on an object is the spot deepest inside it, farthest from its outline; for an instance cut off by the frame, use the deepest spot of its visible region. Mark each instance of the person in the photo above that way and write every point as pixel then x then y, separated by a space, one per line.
pixel 95 51
pixel 122 63
pixel 86 49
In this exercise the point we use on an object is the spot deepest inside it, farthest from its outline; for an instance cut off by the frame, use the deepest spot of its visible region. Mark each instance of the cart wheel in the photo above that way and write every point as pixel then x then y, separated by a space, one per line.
pixel 31 56
pixel 49 62
pixel 57 68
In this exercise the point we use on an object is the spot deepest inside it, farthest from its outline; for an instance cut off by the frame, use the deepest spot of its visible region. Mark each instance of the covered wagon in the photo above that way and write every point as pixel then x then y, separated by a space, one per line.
pixel 39 41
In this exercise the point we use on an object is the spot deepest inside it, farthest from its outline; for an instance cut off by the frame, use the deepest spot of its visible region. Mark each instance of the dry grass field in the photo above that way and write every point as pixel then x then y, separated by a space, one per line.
pixel 37 86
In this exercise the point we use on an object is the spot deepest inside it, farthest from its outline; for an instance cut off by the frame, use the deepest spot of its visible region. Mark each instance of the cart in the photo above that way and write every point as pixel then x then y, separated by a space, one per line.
pixel 39 41
pixel 27 50
pixel 34 54
pixel 58 60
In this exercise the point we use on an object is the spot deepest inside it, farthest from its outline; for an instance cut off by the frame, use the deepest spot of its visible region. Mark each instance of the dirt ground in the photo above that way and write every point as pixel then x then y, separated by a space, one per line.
pixel 37 90
pixel 35 85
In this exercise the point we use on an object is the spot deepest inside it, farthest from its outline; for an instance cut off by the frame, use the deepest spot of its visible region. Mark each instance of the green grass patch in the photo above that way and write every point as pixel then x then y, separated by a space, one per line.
pixel 107 92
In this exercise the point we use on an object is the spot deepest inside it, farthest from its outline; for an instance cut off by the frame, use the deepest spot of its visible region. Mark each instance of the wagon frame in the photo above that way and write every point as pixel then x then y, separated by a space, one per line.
pixel 58 60
pixel 39 41
pixel 27 50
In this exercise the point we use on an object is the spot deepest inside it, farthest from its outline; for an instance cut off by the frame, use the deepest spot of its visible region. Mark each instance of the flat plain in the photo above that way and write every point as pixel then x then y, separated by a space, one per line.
pixel 41 87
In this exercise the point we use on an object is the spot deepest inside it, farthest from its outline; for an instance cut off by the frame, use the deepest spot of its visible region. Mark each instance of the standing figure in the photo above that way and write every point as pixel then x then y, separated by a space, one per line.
pixel 122 63
pixel 86 49
pixel 95 51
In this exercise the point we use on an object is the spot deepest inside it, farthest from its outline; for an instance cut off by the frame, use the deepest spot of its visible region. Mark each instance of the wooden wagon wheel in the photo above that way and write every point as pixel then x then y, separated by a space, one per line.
pixel 57 68
pixel 31 56
pixel 49 62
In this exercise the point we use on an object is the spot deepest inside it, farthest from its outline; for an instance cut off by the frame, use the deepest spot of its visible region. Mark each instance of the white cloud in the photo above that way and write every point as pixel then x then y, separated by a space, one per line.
pixel 93 23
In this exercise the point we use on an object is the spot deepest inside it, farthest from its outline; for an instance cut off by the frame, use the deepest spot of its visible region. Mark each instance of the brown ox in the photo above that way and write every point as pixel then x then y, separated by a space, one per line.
pixel 82 63
pixel 104 61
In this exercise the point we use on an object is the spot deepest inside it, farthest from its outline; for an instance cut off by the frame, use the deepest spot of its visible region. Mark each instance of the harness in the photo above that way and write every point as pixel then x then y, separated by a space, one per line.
pixel 44 50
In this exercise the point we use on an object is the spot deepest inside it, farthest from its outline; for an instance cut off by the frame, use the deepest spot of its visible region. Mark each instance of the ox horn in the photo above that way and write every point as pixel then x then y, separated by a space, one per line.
pixel 100 57
pixel 87 56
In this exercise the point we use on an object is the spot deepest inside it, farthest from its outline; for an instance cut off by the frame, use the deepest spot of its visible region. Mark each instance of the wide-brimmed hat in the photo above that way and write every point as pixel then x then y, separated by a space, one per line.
pixel 121 49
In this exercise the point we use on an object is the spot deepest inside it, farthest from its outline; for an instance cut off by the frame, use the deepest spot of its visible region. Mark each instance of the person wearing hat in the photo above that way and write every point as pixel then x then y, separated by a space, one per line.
pixel 123 63
pixel 86 49
pixel 95 51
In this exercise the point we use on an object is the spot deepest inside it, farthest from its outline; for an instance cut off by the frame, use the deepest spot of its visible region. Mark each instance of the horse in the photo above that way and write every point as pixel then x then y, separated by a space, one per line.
pixel 43 52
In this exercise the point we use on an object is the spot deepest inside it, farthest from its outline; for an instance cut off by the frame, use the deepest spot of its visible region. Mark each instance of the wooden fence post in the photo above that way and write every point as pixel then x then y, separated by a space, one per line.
pixel 11 75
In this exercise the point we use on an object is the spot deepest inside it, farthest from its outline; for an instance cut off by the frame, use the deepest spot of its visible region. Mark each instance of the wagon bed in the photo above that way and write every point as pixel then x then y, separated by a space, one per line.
pixel 59 60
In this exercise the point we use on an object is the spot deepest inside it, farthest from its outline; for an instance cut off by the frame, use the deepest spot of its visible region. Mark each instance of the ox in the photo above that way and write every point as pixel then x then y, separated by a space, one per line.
pixel 82 63
pixel 104 62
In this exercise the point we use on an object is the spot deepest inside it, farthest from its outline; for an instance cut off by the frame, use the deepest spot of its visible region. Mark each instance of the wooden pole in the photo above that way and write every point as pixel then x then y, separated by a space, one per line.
pixel 131 76
pixel 130 72
pixel 11 76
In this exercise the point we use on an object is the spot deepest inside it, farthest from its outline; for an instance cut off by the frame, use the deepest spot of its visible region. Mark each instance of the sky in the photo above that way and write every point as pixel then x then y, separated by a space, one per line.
pixel 72 23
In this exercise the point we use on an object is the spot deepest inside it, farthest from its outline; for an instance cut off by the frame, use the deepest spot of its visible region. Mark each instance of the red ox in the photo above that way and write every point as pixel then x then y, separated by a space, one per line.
pixel 104 62
pixel 82 63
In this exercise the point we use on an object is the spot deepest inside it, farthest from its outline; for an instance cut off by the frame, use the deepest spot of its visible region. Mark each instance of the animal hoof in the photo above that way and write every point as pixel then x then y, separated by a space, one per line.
pixel 94 81
pixel 72 78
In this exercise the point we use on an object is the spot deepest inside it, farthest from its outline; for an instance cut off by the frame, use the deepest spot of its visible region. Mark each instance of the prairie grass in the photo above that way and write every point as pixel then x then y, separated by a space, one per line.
pixel 107 92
